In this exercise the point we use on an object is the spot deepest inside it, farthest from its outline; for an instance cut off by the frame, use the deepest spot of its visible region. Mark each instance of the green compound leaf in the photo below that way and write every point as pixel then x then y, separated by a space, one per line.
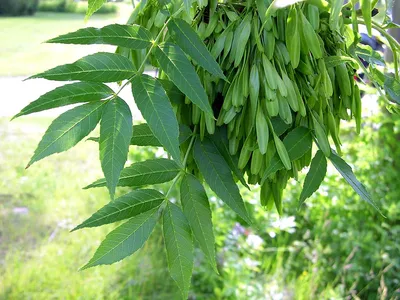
pixel 314 177
pixel 176 65
pixel 218 176
pixel 189 41
pixel 156 109
pixel 124 240
pixel 197 211
pixel 179 247
pixel 129 36
pixel 115 136
pixel 98 67
pixel 93 6
pixel 297 143
pixel 347 173
pixel 152 171
pixel 124 207
pixel 73 93
pixel 68 129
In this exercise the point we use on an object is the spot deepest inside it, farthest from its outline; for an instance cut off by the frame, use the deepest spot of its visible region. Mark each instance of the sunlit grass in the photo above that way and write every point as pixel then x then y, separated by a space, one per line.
pixel 24 52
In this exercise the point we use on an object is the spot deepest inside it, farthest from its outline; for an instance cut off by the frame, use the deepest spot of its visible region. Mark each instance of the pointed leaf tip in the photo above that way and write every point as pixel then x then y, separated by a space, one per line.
pixel 218 176
pixel 68 129
pixel 197 210
pixel 314 177
pixel 179 247
pixel 347 173
pixel 125 240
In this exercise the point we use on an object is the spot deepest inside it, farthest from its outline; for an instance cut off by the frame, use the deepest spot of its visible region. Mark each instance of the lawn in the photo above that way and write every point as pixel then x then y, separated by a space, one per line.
pixel 23 51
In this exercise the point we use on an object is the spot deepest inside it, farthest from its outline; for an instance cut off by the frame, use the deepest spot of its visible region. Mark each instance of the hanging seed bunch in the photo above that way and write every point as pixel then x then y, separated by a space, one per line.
pixel 289 73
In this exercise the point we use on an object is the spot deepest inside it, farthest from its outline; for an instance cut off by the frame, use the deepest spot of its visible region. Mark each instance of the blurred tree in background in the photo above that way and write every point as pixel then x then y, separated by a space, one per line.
pixel 18 7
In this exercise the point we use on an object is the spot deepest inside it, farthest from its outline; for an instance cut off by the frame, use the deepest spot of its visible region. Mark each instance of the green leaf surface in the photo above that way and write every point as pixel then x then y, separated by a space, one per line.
pixel 125 239
pixel 197 211
pixel 220 140
pixel 315 176
pixel 218 176
pixel 184 133
pixel 124 207
pixel 347 173
pixel 128 36
pixel 173 93
pixel 179 246
pixel 297 142
pixel 187 4
pixel 156 109
pixel 370 55
pixel 143 136
pixel 152 171
pixel 68 129
pixel 176 65
pixel 189 41
pixel 98 67
pixel 279 126
pixel 392 87
pixel 334 61
pixel 93 6
pixel 73 93
pixel 115 135
pixel 366 9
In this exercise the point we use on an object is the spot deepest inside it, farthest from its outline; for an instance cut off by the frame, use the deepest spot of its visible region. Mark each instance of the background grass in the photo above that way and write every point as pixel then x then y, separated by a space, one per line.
pixel 24 52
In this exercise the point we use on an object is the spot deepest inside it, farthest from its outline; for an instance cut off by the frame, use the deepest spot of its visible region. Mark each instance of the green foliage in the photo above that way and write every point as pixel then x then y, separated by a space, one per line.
pixel 200 92
pixel 93 6
pixel 314 177
pixel 124 207
pixel 153 103
pixel 148 172
pixel 178 68
pixel 99 67
pixel 188 40
pixel 68 129
pixel 198 213
pixel 134 37
pixel 125 239
pixel 115 136
pixel 57 6
pixel 347 173
pixel 71 6
pixel 68 94
pixel 179 246
pixel 218 176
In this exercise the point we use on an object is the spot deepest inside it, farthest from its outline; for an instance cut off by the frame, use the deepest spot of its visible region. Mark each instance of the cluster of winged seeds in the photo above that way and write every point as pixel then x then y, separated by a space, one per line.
pixel 289 77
